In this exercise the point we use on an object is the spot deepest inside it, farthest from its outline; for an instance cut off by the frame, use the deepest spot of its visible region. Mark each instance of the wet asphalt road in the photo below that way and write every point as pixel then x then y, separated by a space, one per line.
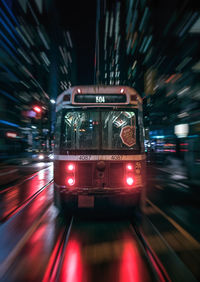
pixel 37 244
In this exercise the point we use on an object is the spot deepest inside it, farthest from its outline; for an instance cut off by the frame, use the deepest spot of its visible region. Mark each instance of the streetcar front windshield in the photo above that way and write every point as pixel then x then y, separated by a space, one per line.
pixel 97 129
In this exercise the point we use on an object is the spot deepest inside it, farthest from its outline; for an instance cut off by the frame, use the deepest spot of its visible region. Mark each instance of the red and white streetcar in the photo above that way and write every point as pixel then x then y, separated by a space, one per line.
pixel 99 159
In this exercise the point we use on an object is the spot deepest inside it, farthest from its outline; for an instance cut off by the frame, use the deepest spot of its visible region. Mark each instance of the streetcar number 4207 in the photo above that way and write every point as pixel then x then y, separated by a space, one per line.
pixel 100 99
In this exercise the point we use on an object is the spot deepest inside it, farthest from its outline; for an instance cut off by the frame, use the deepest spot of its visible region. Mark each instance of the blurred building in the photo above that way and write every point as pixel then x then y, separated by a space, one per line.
pixel 36 64
pixel 153 46
pixel 111 43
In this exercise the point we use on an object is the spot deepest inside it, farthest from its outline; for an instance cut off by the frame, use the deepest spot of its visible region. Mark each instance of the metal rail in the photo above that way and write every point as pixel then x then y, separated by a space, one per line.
pixel 158 269
pixel 52 272
pixel 25 203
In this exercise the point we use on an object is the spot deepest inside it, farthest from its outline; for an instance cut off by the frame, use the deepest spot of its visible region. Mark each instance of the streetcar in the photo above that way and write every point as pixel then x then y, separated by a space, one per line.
pixel 99 156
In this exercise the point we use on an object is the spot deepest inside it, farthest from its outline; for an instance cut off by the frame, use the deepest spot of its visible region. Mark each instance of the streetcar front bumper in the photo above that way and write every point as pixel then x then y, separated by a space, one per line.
pixel 97 199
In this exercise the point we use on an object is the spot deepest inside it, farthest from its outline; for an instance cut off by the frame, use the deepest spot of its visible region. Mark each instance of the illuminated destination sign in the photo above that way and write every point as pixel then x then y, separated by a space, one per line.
pixel 100 98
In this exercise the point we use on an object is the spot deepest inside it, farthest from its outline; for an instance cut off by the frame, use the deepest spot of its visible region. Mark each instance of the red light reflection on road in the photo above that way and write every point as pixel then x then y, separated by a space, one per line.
pixel 34 247
pixel 38 234
pixel 132 268
pixel 9 202
pixel 72 270
pixel 53 262
pixel 41 175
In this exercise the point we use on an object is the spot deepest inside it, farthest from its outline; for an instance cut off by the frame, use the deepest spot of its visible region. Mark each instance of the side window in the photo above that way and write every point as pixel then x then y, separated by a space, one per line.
pixel 141 129
pixel 58 130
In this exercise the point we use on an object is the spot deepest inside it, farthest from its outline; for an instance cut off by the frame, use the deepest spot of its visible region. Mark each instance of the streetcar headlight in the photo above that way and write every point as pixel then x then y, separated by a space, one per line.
pixel 70 181
pixel 130 180
pixel 70 167
pixel 70 171
pixel 129 167
pixel 41 157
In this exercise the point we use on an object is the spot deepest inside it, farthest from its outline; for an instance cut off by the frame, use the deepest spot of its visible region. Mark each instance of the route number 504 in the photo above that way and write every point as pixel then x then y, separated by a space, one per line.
pixel 100 99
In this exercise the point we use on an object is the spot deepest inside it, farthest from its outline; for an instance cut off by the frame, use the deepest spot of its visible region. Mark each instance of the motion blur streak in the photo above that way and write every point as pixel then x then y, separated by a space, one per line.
pixel 41 175
pixel 50 273
pixel 72 270
pixel 10 202
pixel 160 270
pixel 16 196
pixel 131 265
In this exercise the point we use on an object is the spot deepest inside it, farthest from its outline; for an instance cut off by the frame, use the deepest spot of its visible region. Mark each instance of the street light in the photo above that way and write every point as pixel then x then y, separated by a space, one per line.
pixel 52 101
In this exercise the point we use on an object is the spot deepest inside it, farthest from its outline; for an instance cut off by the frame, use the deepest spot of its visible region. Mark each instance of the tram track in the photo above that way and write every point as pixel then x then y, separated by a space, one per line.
pixel 12 254
pixel 55 264
pixel 9 260
pixel 159 271
pixel 24 204
pixel 56 260
pixel 19 182
pixel 30 177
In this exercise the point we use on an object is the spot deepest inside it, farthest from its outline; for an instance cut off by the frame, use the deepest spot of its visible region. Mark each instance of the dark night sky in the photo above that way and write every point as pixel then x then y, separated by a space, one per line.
pixel 79 17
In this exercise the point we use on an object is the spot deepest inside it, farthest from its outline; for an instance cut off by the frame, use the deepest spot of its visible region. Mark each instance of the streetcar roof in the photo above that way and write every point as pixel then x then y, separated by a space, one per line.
pixel 96 89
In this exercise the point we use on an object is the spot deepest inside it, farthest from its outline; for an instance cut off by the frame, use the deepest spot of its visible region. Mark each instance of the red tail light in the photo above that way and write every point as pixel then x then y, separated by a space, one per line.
pixel 70 181
pixel 70 167
pixel 70 174
pixel 130 180
pixel 129 167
